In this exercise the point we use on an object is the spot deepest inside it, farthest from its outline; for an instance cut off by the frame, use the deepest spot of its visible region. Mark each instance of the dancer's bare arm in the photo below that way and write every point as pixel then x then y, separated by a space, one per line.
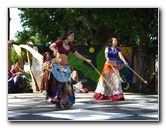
pixel 53 48
pixel 81 57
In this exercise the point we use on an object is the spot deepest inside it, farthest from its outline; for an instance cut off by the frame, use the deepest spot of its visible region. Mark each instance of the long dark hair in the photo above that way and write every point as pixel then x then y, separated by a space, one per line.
pixel 66 33
pixel 44 56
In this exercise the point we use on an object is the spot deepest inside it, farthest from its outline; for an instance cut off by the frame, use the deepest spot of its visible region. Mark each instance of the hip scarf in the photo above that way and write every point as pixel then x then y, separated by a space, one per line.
pixel 60 89
pixel 61 73
pixel 104 91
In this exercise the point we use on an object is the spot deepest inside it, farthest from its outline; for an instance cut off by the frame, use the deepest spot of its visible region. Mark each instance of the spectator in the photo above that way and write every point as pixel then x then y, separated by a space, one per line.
pixel 19 77
pixel 77 85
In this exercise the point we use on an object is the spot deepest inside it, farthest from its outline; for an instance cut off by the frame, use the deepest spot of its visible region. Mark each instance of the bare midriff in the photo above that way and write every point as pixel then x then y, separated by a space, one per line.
pixel 62 59
pixel 112 62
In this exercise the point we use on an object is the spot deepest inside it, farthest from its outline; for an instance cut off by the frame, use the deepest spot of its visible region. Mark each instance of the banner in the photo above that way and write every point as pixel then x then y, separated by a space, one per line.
pixel 36 67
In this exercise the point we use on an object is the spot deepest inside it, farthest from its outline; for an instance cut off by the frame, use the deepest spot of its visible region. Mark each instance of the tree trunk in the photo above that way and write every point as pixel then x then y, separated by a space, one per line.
pixel 9 23
pixel 142 61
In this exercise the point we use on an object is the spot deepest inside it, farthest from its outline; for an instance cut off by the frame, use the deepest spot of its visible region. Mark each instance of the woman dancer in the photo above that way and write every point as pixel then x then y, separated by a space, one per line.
pixel 110 89
pixel 61 90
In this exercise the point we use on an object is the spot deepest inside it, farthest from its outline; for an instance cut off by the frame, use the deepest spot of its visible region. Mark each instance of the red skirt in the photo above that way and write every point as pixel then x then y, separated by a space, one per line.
pixel 112 91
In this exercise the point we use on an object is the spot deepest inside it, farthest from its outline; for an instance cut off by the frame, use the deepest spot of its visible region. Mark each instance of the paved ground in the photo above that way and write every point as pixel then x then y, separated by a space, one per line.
pixel 34 107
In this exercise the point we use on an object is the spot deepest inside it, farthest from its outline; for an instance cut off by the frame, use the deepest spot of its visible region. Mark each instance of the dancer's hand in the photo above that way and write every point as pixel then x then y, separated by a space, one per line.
pixel 88 61
pixel 126 64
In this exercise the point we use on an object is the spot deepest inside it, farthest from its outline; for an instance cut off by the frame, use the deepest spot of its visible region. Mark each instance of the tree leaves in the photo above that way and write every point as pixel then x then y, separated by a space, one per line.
pixel 92 26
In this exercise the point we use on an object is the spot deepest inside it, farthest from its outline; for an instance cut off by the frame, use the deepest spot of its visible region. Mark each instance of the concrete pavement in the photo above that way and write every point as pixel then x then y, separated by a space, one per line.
pixel 35 107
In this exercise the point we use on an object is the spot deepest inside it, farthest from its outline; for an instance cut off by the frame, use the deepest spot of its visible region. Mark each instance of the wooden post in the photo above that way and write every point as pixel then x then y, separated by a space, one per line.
pixel 19 53
pixel 9 55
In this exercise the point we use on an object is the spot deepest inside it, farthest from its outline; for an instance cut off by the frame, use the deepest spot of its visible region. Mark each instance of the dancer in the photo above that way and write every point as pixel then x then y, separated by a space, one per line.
pixel 60 89
pixel 46 66
pixel 109 84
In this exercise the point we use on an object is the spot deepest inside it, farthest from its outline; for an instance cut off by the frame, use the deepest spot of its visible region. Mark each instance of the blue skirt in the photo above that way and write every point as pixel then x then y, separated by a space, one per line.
pixel 62 92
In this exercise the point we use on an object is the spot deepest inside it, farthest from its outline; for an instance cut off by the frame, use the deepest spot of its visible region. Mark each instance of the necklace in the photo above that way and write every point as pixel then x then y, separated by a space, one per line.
pixel 113 50
pixel 66 43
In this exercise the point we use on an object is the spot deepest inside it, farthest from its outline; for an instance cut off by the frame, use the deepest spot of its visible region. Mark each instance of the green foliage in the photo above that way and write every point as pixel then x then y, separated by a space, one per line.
pixel 28 88
pixel 91 25
pixel 134 27
pixel 89 73
pixel 100 59
pixel 14 56
pixel 73 60
pixel 28 76
pixel 24 55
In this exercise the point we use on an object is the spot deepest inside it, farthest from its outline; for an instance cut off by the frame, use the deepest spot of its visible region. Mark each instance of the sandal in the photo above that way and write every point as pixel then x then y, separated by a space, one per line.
pixel 57 106
pixel 53 102
pixel 62 105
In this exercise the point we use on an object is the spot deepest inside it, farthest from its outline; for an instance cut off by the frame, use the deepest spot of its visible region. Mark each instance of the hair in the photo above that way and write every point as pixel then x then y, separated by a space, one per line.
pixel 109 42
pixel 74 69
pixel 44 56
pixel 17 63
pixel 66 33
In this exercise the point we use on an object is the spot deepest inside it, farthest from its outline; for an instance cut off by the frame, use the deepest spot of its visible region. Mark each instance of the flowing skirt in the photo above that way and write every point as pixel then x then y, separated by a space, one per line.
pixel 112 89
pixel 43 80
pixel 60 89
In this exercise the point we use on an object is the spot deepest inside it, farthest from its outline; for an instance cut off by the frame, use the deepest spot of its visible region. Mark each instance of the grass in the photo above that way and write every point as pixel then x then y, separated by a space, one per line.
pixel 28 76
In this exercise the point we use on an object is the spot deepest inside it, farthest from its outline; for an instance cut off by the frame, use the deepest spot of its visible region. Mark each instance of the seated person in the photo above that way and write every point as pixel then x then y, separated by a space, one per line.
pixel 11 84
pixel 18 76
pixel 77 85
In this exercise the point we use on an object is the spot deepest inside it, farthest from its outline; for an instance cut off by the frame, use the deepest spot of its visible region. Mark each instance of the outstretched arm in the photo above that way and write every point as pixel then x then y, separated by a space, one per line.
pixel 122 58
pixel 81 57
